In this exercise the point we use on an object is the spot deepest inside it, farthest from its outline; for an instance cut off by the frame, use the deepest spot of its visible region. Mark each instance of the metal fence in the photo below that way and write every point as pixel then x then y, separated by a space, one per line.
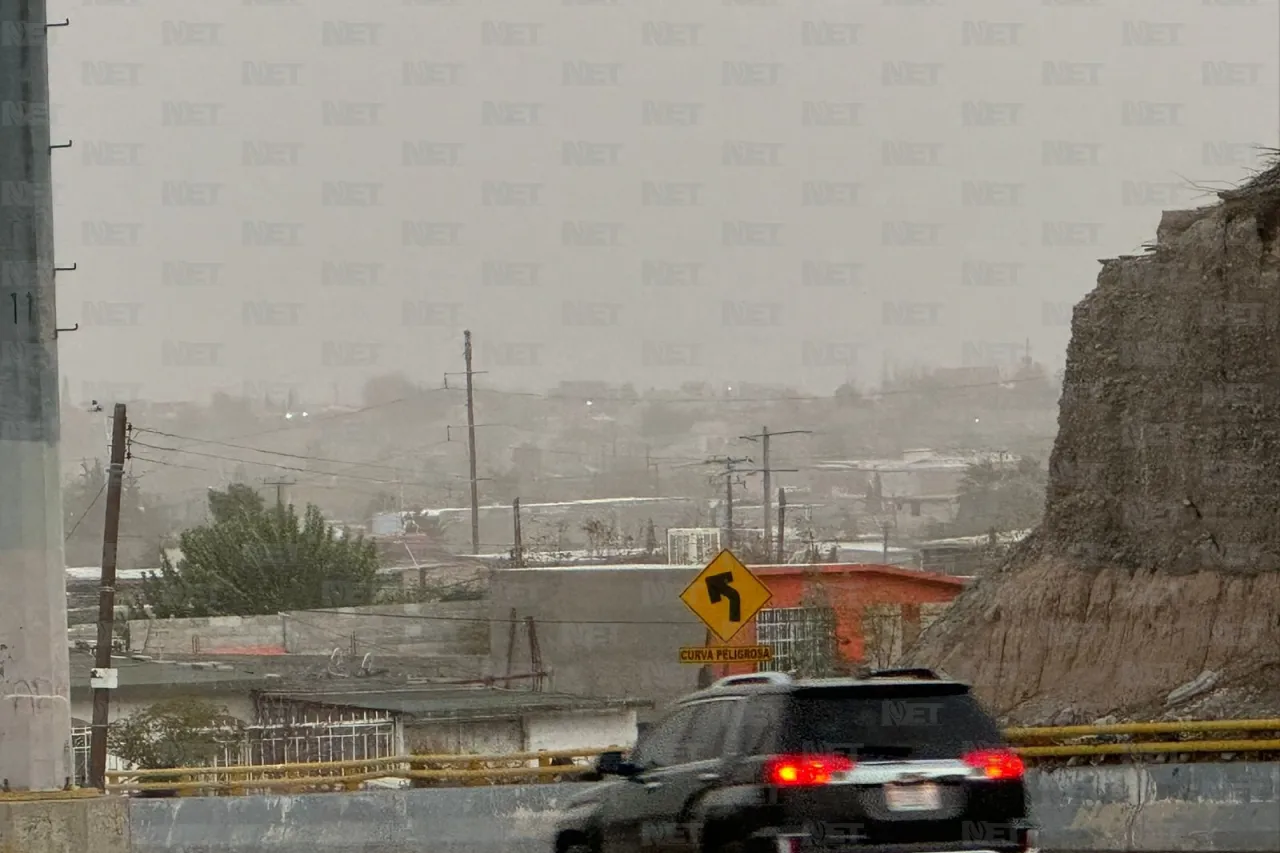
pixel 372 736
pixel 80 738
pixel 369 736
pixel 797 635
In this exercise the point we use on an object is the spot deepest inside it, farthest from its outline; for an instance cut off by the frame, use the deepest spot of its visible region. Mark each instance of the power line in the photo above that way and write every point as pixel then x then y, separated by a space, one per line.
pixel 326 418
pixel 495 621
pixel 733 400
pixel 266 464
pixel 550 396
pixel 263 450
pixel 86 512
pixel 388 650
pixel 169 464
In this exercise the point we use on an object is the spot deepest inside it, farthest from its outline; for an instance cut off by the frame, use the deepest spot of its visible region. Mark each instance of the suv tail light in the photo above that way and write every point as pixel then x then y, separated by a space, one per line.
pixel 802 770
pixel 996 764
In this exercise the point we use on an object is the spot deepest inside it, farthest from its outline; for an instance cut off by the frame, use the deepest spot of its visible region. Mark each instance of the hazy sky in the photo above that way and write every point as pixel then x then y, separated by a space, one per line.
pixel 272 195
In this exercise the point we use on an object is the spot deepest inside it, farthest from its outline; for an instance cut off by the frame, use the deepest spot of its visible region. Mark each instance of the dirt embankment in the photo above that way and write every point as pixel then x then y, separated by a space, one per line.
pixel 1158 562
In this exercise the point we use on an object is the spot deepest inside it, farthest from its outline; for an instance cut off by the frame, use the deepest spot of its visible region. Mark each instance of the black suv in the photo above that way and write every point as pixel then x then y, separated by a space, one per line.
pixel 901 761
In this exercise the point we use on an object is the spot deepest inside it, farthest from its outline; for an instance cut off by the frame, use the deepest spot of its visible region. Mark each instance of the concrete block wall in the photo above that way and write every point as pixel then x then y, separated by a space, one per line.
pixel 209 634
pixel 604 632
pixel 441 628
pixel 1223 808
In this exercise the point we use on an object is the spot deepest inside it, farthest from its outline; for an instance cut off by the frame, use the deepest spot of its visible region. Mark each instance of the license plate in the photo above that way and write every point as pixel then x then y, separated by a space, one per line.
pixel 912 798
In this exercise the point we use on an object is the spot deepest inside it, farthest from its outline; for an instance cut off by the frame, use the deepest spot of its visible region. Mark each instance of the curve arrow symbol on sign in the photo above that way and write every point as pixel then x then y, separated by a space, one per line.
pixel 721 586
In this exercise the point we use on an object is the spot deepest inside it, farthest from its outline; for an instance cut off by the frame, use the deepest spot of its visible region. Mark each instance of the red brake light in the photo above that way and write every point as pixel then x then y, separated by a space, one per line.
pixel 996 763
pixel 800 770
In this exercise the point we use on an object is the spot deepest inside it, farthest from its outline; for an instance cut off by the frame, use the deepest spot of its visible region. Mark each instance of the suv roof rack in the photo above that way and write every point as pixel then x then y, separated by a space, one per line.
pixel 754 678
pixel 906 672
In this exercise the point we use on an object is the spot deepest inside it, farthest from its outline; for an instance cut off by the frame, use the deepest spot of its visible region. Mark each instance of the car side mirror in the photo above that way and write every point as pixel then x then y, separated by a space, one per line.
pixel 613 764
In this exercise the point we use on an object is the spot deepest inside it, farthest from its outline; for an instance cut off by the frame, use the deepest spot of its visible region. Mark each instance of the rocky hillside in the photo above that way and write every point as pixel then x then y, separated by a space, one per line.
pixel 1156 570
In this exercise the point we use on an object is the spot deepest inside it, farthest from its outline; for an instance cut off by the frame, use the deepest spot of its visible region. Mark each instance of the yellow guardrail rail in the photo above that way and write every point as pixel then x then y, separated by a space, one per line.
pixel 1065 742
pixel 1045 745
pixel 419 770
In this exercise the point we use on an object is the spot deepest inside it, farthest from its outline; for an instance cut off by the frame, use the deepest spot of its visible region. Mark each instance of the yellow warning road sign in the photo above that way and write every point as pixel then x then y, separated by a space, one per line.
pixel 726 654
pixel 725 596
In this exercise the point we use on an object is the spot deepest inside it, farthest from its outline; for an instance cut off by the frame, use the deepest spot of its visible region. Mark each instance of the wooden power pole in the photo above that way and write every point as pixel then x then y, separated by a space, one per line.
pixel 517 548
pixel 103 675
pixel 730 464
pixel 280 486
pixel 470 374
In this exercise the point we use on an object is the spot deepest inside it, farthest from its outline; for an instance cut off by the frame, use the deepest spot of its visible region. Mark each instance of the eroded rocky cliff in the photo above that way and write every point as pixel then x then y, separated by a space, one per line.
pixel 1158 561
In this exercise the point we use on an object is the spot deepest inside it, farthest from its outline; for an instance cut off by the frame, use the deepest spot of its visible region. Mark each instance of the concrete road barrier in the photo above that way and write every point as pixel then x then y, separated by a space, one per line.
pixel 1158 808
pixel 508 818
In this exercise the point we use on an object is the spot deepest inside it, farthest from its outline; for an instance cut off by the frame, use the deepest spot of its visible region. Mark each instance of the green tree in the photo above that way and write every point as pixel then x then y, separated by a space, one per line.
pixel 251 559
pixel 1001 497
pixel 144 523
pixel 238 502
pixel 848 394
pixel 178 732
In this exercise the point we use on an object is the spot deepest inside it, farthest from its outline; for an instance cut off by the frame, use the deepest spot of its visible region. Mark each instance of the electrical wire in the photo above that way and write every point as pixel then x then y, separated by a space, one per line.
pixel 86 512
pixel 274 465
pixel 638 401
pixel 733 400
pixel 262 450
pixel 169 464
pixel 499 621
pixel 388 650
pixel 322 474
pixel 205 489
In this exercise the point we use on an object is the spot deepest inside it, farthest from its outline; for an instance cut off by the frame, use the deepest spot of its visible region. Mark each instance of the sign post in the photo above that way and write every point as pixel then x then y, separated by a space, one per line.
pixel 726 596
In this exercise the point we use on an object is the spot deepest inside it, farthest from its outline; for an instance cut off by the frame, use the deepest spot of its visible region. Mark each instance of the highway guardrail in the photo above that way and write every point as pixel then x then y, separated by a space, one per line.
pixel 352 775
pixel 1206 740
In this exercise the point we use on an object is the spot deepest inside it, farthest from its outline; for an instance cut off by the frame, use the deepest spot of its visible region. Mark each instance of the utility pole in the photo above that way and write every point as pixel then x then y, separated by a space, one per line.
pixel 517 550
pixel 35 715
pixel 280 485
pixel 763 437
pixel 731 469
pixel 471 438
pixel 782 522
pixel 730 464
pixel 104 674
pixel 650 465
pixel 728 500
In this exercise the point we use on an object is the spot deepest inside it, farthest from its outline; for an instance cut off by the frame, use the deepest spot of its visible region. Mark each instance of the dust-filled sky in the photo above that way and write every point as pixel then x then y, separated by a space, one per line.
pixel 265 196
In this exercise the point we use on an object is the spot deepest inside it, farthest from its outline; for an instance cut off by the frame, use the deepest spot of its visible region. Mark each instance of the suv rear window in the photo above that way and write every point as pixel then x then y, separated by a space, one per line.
pixel 889 722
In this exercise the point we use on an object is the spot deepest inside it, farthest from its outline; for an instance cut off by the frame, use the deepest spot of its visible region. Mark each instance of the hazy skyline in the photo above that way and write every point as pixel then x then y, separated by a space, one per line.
pixel 265 196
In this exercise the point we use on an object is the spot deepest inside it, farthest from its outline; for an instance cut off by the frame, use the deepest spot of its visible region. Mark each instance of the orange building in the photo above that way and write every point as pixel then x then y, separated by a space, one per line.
pixel 876 611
